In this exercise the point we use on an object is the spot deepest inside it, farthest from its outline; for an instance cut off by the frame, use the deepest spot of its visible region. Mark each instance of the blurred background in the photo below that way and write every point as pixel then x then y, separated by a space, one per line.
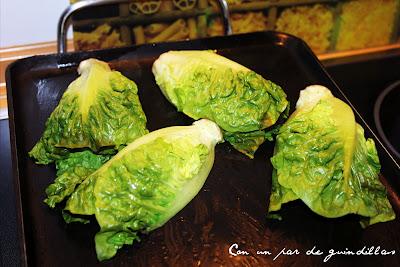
pixel 332 28
pixel 29 22
pixel 327 26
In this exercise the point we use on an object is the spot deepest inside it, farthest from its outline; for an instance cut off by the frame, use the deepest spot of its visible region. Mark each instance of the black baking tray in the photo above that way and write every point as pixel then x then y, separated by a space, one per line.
pixel 231 207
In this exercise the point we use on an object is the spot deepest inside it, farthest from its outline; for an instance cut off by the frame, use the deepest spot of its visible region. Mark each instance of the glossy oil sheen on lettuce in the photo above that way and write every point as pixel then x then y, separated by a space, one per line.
pixel 146 183
pixel 203 84
pixel 322 158
pixel 100 109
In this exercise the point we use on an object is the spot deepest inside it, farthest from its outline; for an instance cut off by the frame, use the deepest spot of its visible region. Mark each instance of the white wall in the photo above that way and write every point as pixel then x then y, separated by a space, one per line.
pixel 29 21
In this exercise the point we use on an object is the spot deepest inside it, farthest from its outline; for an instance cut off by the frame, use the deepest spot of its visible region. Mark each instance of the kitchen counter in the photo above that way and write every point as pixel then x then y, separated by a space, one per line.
pixel 361 81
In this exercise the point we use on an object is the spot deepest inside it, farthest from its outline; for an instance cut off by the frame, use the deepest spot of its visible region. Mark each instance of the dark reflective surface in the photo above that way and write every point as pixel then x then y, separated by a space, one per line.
pixel 232 206
pixel 9 247
pixel 387 117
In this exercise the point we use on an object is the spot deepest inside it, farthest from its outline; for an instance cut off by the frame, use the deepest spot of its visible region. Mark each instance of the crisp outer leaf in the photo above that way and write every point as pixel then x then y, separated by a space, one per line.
pixel 146 183
pixel 108 242
pixel 71 172
pixel 247 143
pixel 68 218
pixel 203 84
pixel 100 109
pixel 85 159
pixel 322 158
pixel 82 200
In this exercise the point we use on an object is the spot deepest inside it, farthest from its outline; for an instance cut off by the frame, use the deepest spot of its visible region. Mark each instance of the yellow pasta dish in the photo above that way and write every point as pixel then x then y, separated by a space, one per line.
pixel 311 23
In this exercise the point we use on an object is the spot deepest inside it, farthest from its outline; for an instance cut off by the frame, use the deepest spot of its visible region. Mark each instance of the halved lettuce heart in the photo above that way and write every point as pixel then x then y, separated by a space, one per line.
pixel 99 110
pixel 203 84
pixel 322 158
pixel 146 183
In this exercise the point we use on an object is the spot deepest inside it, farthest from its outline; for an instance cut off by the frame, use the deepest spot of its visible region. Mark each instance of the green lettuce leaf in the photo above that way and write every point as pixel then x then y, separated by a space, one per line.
pixel 68 218
pixel 99 110
pixel 247 143
pixel 322 158
pixel 146 183
pixel 203 84
pixel 109 241
pixel 71 171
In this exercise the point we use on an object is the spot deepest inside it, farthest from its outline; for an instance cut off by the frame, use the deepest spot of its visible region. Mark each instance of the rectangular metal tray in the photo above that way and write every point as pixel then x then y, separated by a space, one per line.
pixel 231 207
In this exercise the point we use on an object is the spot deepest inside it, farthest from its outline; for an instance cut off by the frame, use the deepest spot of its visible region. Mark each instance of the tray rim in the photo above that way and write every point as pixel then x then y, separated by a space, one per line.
pixel 10 103
pixel 15 168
